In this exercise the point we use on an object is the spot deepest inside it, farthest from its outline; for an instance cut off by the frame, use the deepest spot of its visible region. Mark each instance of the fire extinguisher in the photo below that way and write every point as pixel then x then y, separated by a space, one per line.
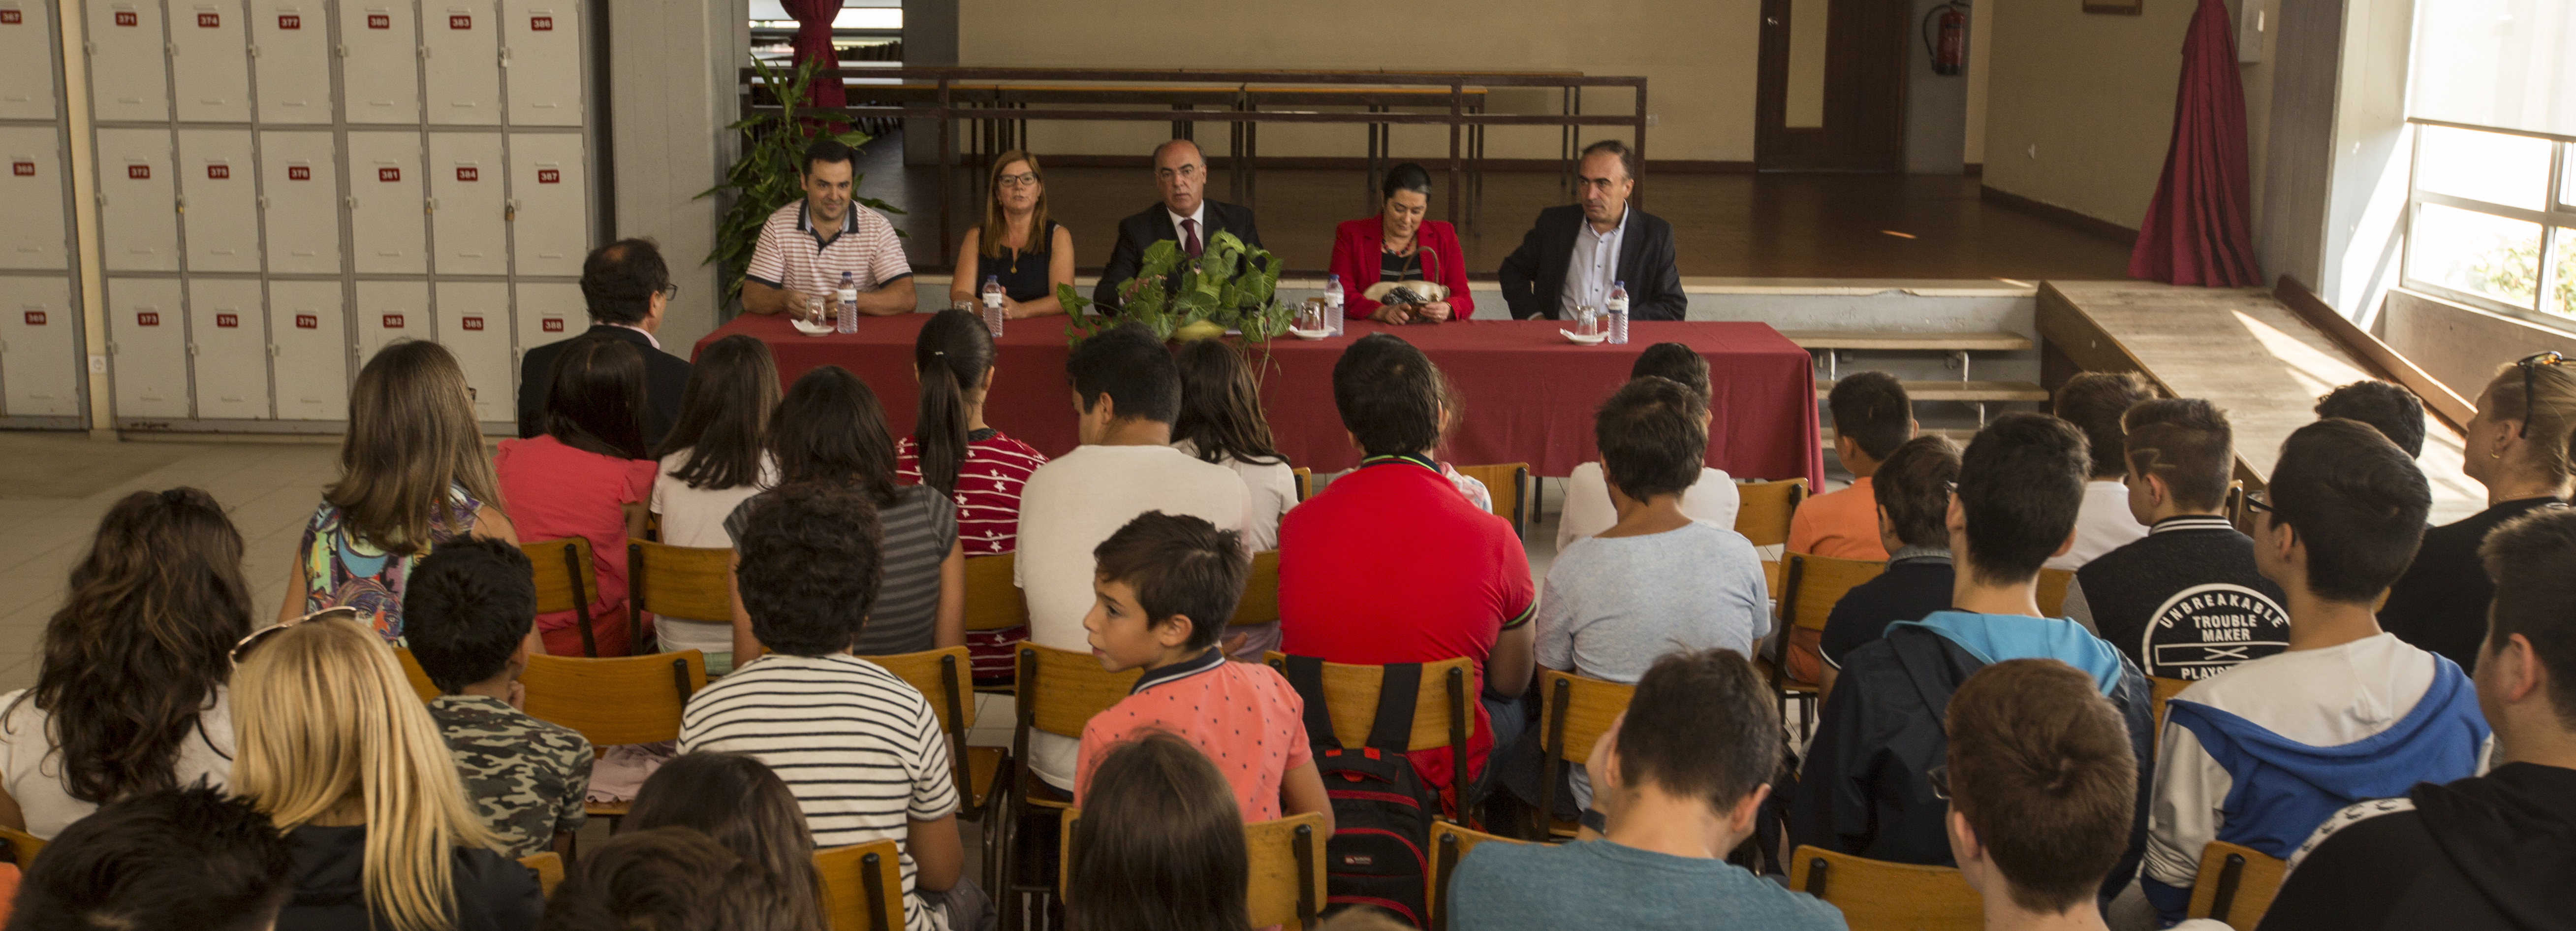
pixel 1945 36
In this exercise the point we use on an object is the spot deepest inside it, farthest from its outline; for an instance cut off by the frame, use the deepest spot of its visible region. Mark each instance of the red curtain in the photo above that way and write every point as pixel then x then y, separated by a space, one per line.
pixel 2198 230
pixel 814 43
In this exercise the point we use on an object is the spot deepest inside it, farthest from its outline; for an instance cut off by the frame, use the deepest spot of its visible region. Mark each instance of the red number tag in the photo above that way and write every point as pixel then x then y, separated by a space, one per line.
pixel 12 18
pixel 299 173
pixel 210 20
pixel 393 321
pixel 23 169
pixel 460 21
pixel 308 322
pixel 388 174
pixel 219 172
pixel 468 173
pixel 379 21
pixel 35 318
pixel 139 172
pixel 289 21
pixel 541 24
pixel 544 176
pixel 127 18
pixel 147 318
pixel 551 325
pixel 230 321
pixel 473 324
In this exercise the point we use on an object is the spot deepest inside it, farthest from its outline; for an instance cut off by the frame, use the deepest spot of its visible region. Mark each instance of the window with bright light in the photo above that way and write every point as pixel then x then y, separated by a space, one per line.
pixel 2492 211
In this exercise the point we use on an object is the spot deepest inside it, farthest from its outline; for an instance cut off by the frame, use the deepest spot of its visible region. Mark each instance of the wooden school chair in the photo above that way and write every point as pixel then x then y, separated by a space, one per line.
pixel 1305 481
pixel 614 700
pixel 1876 895
pixel 677 581
pixel 1509 483
pixel 993 601
pixel 1449 844
pixel 1260 603
pixel 2052 591
pixel 862 886
pixel 1280 853
pixel 1442 717
pixel 566 581
pixel 2164 690
pixel 23 847
pixel 943 676
pixel 549 868
pixel 1059 691
pixel 1810 587
pixel 2236 884
pixel 1577 711
pixel 1763 510
pixel 429 691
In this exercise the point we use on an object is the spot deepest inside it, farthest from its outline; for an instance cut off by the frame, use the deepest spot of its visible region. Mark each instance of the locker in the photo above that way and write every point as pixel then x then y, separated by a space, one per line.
pixel 40 365
pixel 290 52
pixel 379 62
pixel 299 191
pixel 220 194
pixel 228 344
pixel 147 347
pixel 129 77
pixel 26 60
pixel 389 311
pixel 550 232
pixel 461 58
pixel 474 323
pixel 31 196
pixel 138 205
pixel 549 313
pixel 541 57
pixel 467 222
pixel 388 235
pixel 210 61
pixel 309 348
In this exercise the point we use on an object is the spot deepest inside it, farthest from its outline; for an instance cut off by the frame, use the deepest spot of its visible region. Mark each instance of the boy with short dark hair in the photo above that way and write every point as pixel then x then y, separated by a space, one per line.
pixel 1680 775
pixel 1912 491
pixel 2042 783
pixel 2094 402
pixel 1872 416
pixel 1165 587
pixel 193 858
pixel 2387 407
pixel 468 610
pixel 1711 500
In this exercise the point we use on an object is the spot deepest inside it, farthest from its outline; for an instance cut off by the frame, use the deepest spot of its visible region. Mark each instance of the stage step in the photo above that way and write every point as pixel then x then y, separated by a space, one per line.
pixel 1898 339
pixel 1959 390
pixel 1959 435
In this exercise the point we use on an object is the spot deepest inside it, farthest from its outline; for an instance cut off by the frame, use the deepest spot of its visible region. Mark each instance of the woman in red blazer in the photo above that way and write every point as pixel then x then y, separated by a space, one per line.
pixel 1399 245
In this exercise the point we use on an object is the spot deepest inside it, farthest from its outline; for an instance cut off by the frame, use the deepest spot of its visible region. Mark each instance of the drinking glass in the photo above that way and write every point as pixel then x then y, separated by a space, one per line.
pixel 1310 315
pixel 1587 321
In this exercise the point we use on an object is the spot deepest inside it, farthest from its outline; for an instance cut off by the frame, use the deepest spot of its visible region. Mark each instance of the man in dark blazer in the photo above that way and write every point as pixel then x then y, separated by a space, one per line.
pixel 1185 216
pixel 1577 251
pixel 627 289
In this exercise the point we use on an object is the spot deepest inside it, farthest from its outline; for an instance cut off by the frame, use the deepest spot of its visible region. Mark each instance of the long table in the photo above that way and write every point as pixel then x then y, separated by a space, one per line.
pixel 1526 394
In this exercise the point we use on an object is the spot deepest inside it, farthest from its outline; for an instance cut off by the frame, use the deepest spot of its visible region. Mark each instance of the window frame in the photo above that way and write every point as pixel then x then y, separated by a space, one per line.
pixel 2557 221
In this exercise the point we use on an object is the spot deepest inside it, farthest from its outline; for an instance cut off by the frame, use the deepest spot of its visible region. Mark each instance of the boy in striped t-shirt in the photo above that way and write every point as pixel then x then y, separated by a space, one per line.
pixel 859 747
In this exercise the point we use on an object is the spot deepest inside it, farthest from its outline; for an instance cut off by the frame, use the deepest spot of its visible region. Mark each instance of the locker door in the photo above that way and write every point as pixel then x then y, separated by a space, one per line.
pixel 307 329
pixel 474 323
pixel 222 200
pixel 549 313
pixel 391 310
pixel 138 205
pixel 551 234
pixel 147 347
pixel 129 77
pixel 26 60
pixel 463 63
pixel 300 194
pixel 466 220
pixel 385 203
pixel 228 338
pixel 40 368
pixel 210 61
pixel 31 196
pixel 541 55
pixel 290 50
pixel 380 62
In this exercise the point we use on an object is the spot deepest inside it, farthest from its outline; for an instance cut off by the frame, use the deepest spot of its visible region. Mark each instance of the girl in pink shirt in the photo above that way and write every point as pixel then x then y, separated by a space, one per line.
pixel 586 476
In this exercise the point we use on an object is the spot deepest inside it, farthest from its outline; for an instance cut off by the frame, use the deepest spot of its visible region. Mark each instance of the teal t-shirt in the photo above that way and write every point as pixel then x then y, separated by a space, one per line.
pixel 1598 884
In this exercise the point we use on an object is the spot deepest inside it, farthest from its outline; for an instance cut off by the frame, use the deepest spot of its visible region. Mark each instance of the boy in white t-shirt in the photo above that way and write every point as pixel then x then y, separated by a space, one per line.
pixel 1711 500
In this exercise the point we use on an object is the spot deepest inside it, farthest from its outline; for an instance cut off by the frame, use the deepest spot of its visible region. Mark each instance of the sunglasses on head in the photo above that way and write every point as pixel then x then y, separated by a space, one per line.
pixel 243 647
pixel 2530 364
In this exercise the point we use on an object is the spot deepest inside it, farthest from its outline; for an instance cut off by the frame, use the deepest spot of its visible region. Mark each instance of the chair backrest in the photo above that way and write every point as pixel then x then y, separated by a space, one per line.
pixel 1305 481
pixel 615 700
pixel 678 581
pixel 419 677
pixel 1763 509
pixel 1260 604
pixel 862 886
pixel 946 677
pixel 1449 844
pixel 1577 711
pixel 1509 483
pixel 1876 895
pixel 2236 884
pixel 549 868
pixel 993 601
pixel 566 576
pixel 1278 854
pixel 1350 697
pixel 1814 583
pixel 23 847
pixel 1059 691
pixel 2164 690
pixel 2052 590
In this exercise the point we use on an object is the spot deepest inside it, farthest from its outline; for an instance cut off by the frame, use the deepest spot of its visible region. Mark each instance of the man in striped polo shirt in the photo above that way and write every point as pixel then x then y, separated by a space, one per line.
pixel 807 245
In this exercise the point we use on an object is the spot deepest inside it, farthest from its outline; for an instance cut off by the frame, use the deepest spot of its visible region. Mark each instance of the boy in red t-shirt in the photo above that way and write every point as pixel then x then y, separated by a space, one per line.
pixel 1163 588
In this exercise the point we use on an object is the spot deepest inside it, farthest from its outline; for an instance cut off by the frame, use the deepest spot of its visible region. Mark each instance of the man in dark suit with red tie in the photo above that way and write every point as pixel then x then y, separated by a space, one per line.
pixel 1185 216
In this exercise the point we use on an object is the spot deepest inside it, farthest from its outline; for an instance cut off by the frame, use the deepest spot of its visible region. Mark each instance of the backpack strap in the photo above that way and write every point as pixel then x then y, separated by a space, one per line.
pixel 1397 694
pixel 1306 675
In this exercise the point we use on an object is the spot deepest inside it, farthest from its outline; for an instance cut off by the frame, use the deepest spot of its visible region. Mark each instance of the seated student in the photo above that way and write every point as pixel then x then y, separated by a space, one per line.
pixel 1160 843
pixel 2489 853
pixel 714 459
pixel 663 879
pixel 1711 500
pixel 1127 391
pixel 192 858
pixel 2042 784
pixel 2386 406
pixel 735 800
pixel 1912 489
pixel 2261 754
pixel 1680 774
pixel 1872 416
pixel 952 450
pixel 1158 576
pixel 1221 421
pixel 585 477
pixel 2094 403
pixel 1463 587
pixel 469 606
pixel 2185 601
pixel 1866 788
pixel 859 747
pixel 1452 410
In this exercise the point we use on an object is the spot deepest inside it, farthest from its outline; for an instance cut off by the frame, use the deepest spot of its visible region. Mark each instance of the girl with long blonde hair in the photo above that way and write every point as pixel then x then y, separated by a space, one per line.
pixel 1016 244
pixel 332 743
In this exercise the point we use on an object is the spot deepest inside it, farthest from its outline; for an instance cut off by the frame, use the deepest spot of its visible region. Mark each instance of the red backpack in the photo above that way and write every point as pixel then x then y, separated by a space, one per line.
pixel 1382 811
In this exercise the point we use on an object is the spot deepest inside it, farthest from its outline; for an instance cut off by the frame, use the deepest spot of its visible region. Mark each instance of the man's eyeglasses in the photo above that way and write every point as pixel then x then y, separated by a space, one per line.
pixel 670 292
pixel 339 613
pixel 2259 501
pixel 1939 777
pixel 1023 179
pixel 2530 364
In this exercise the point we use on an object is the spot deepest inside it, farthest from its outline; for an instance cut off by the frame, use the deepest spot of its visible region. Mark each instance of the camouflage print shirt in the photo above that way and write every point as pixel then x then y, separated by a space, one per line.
pixel 527 777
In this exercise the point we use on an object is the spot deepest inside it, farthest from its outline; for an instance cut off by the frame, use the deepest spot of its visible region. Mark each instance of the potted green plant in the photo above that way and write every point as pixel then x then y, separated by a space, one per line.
pixel 770 173
pixel 1230 286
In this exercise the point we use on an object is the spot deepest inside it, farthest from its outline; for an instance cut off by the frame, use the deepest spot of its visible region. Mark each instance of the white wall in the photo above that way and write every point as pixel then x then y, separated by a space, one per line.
pixel 671 82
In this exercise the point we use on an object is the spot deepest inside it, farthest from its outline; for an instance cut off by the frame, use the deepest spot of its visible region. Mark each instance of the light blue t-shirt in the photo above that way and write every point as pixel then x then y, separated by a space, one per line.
pixel 1599 884
pixel 1612 605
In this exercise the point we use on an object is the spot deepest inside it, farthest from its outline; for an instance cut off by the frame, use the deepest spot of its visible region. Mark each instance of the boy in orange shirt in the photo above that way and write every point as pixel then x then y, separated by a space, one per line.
pixel 1164 588
pixel 1872 417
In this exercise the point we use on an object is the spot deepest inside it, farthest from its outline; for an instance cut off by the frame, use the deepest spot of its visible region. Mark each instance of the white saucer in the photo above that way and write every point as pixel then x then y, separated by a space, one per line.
pixel 1309 334
pixel 813 329
pixel 1593 340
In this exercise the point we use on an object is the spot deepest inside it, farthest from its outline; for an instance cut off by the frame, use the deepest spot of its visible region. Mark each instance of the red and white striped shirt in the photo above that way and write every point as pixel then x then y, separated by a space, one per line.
pixel 793 256
pixel 988 487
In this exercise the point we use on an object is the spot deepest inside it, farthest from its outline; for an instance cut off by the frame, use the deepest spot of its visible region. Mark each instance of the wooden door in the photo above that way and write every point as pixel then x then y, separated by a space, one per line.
pixel 1831 96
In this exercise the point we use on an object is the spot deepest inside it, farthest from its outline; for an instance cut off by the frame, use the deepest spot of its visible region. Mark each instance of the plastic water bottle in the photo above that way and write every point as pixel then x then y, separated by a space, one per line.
pixel 845 304
pixel 994 313
pixel 1333 303
pixel 1617 305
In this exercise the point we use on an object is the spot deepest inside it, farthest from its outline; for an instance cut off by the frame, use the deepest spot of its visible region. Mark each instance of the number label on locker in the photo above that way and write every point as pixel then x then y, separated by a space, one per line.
pixel 23 168
pixel 302 213
pixel 139 172
pixel 12 17
pixel 289 21
pixel 228 321
pixel 299 172
pixel 147 318
pixel 128 19
pixel 393 321
pixel 464 74
pixel 552 325
pixel 40 366
pixel 380 21
pixel 35 318
pixel 31 197
pixel 210 67
pixel 210 20
pixel 218 171
pixel 471 323
pixel 468 173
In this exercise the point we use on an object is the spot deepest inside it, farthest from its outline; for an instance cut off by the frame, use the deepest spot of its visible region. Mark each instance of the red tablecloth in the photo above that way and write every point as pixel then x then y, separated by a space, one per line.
pixel 1527 394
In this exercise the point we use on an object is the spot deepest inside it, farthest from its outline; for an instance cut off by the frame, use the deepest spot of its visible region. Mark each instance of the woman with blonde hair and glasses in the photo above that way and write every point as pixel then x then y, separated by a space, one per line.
pixel 1016 244
pixel 334 746
pixel 413 472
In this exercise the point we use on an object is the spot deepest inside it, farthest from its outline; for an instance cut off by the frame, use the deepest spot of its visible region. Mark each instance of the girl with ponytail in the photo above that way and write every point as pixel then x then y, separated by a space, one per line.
pixel 952 450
